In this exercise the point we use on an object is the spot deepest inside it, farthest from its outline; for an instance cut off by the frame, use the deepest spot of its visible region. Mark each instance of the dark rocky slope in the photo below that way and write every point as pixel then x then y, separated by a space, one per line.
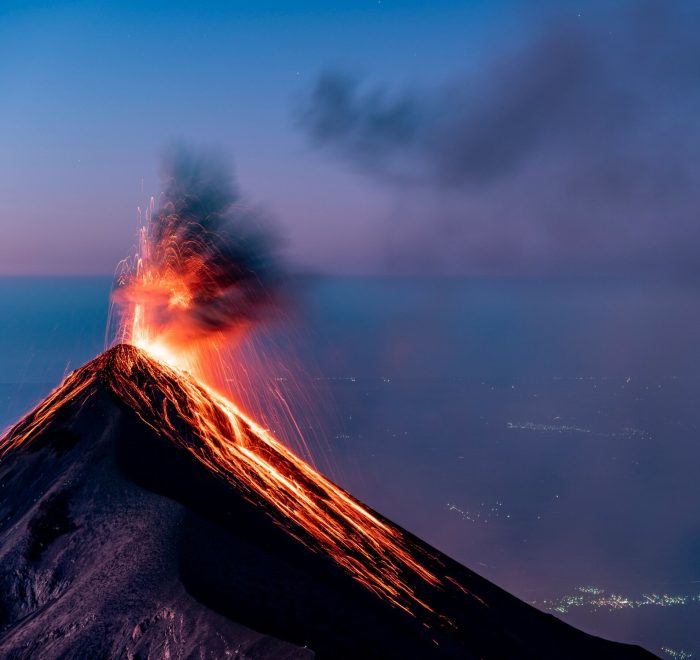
pixel 117 543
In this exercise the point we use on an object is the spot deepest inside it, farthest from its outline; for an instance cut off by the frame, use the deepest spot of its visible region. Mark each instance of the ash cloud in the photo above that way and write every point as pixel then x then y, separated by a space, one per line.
pixel 213 260
pixel 471 132
pixel 577 151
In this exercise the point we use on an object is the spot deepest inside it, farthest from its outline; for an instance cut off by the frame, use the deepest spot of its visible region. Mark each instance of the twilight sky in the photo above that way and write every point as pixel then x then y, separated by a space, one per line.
pixel 500 137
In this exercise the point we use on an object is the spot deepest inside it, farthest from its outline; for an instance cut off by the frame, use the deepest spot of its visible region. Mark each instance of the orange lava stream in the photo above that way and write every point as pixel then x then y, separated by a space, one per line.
pixel 312 508
pixel 247 455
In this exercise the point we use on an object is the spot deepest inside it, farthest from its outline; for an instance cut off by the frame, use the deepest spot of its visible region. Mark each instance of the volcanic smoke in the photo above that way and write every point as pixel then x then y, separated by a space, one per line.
pixel 204 270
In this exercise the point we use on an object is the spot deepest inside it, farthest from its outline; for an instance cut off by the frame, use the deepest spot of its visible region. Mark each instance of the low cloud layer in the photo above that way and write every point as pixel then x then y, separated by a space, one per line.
pixel 575 152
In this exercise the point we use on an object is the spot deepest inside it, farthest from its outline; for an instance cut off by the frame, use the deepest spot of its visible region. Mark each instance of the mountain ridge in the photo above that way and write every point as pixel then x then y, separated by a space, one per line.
pixel 116 541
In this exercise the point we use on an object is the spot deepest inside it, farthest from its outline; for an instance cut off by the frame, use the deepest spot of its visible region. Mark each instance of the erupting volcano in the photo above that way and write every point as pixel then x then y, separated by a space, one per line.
pixel 146 514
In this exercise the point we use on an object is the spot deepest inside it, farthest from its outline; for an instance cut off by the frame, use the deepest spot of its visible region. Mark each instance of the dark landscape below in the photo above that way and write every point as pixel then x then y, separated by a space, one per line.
pixel 115 542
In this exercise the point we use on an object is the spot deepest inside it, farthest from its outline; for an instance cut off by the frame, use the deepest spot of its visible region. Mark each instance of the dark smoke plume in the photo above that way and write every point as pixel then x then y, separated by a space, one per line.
pixel 573 87
pixel 208 263
pixel 575 150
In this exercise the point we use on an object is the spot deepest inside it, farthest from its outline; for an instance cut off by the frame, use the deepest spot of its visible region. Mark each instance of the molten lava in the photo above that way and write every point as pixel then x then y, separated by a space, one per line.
pixel 314 510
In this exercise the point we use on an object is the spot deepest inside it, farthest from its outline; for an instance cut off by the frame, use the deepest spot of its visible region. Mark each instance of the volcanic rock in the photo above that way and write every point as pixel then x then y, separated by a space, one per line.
pixel 118 542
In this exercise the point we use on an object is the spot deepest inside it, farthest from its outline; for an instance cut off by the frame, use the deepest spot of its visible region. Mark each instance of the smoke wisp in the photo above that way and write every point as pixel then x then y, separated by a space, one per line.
pixel 575 151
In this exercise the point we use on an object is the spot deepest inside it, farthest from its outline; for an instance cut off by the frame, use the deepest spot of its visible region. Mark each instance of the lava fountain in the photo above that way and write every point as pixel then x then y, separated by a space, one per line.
pixel 203 271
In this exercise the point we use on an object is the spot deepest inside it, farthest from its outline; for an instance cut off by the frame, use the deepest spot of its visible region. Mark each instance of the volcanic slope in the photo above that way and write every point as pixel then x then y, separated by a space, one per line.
pixel 143 516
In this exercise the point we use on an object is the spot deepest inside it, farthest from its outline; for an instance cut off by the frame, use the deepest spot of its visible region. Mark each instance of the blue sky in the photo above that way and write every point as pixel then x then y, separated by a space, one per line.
pixel 93 92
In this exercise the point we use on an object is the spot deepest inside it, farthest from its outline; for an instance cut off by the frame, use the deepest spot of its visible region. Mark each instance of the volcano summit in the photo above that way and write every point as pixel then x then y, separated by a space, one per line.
pixel 144 516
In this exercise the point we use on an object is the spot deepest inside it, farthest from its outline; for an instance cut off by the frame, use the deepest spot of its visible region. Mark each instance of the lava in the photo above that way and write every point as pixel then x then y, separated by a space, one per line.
pixel 316 511
pixel 203 272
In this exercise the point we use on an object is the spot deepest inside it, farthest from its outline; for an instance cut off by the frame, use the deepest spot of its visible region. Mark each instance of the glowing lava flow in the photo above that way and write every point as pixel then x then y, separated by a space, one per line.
pixel 313 509
pixel 372 551
pixel 155 293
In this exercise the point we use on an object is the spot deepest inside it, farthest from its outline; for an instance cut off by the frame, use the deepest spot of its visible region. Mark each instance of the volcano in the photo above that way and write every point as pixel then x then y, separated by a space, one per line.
pixel 143 516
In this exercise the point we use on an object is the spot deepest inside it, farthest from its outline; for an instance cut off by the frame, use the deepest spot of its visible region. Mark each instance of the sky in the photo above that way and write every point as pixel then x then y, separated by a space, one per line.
pixel 382 137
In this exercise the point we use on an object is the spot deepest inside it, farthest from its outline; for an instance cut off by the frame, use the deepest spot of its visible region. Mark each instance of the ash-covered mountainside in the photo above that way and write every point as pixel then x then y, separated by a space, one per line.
pixel 127 532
